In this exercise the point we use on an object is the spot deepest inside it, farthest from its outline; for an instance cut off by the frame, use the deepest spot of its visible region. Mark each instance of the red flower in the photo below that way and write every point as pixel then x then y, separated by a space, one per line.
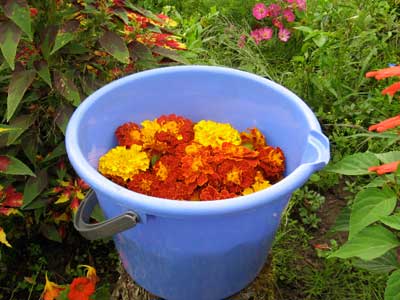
pixel 33 11
pixel 81 288
pixel 385 168
pixel 392 89
pixel 386 124
pixel 128 134
pixel 272 162
pixel 384 73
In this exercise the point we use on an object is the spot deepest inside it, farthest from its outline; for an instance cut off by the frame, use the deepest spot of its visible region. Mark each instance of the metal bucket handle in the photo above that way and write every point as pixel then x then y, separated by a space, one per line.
pixel 103 229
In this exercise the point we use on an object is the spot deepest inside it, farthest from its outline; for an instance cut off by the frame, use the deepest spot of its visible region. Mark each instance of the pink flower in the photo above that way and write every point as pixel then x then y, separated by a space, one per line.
pixel 301 4
pixel 242 41
pixel 265 33
pixel 273 10
pixel 277 23
pixel 289 15
pixel 290 1
pixel 255 34
pixel 259 11
pixel 284 34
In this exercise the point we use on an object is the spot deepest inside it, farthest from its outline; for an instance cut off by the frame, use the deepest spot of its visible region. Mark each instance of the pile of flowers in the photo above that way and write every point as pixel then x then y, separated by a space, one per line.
pixel 275 17
pixel 172 157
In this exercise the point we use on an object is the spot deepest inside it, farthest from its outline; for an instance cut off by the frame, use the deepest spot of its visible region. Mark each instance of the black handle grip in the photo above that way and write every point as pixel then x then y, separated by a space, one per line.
pixel 104 229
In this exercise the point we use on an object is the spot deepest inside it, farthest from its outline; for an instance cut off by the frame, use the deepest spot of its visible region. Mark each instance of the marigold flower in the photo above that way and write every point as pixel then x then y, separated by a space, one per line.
pixel 123 162
pixel 143 183
pixel 254 138
pixel 385 168
pixel 284 34
pixel 128 134
pixel 81 288
pixel 51 290
pixel 259 184
pixel 211 193
pixel 386 124
pixel 392 89
pixel 236 175
pixel 272 162
pixel 259 11
pixel 384 73
pixel 214 134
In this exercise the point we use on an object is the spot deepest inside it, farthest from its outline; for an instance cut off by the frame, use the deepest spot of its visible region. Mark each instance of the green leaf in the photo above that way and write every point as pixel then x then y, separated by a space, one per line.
pixel 7 129
pixel 392 221
pixel 34 186
pixel 381 181
pixel 383 264
pixel 392 291
pixel 115 45
pixel 29 144
pixel 65 35
pixel 50 232
pixel 370 205
pixel 10 35
pixel 66 87
pixel 388 157
pixel 368 244
pixel 97 214
pixel 57 152
pixel 356 164
pixel 320 40
pixel 42 68
pixel 15 167
pixel 20 82
pixel 18 11
pixel 48 37
pixel 342 221
pixel 171 54
pixel 304 29
pixel 23 122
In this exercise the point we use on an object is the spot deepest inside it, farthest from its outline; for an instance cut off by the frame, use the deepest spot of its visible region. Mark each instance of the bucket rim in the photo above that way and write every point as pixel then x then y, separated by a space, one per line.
pixel 180 208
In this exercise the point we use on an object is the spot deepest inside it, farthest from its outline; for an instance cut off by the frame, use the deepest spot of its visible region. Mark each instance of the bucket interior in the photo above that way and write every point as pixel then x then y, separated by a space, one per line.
pixel 245 101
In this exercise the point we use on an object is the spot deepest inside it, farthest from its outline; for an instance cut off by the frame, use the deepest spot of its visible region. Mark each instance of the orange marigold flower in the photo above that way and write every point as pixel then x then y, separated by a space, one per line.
pixel 196 166
pixel 51 290
pixel 386 124
pixel 392 89
pixel 128 134
pixel 143 183
pixel 211 193
pixel 384 73
pixel 177 191
pixel 236 175
pixel 385 168
pixel 272 161
pixel 254 138
pixel 81 288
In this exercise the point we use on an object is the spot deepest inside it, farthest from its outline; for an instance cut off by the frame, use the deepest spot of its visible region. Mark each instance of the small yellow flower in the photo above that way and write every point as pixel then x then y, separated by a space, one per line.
pixel 123 162
pixel 215 134
pixel 149 130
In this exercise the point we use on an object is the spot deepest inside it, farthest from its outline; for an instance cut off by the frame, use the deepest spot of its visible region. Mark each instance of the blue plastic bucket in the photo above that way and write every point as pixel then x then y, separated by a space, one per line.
pixel 183 250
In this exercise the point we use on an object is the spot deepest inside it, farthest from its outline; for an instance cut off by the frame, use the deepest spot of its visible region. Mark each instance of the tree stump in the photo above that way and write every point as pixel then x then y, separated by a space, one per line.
pixel 262 288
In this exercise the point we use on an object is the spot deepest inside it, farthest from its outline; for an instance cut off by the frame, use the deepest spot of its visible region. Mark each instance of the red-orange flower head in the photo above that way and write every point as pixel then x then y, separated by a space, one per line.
pixel 272 161
pixel 81 288
pixel 128 134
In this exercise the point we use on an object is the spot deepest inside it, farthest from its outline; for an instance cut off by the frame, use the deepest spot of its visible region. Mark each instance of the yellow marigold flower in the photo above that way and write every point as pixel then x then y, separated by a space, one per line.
pixel 162 171
pixel 215 134
pixel 123 162
pixel 149 130
pixel 258 185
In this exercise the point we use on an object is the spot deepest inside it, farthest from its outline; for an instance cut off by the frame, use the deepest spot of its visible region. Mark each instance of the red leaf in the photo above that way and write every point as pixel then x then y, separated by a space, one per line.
pixel 4 163
pixel 13 198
